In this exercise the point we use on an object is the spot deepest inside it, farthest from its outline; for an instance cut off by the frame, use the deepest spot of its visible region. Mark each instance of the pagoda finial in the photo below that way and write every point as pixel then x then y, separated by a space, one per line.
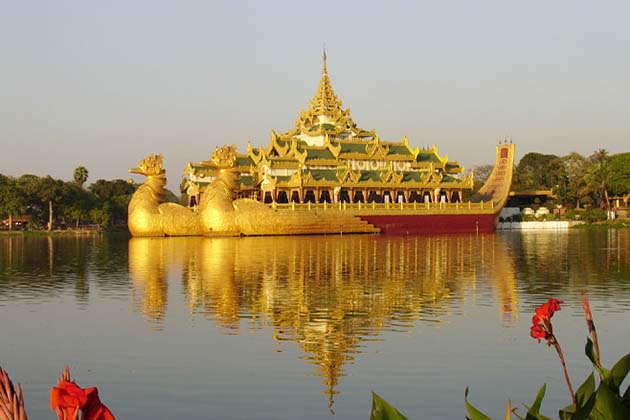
pixel 325 100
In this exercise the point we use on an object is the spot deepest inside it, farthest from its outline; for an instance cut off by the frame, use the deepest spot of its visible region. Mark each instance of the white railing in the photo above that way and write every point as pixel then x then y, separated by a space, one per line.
pixel 374 207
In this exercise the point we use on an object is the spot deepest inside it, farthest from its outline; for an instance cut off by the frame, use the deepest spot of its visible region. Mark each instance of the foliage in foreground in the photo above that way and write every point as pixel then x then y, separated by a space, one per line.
pixel 596 399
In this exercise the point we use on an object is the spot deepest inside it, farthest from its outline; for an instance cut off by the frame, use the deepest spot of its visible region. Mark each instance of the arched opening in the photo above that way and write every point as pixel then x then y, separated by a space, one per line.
pixel 344 197
pixel 309 196
pixel 415 197
pixel 443 197
pixel 426 197
pixel 325 197
pixel 295 197
pixel 456 198
pixel 282 197
pixel 400 197
pixel 358 197
pixel 373 197
pixel 268 197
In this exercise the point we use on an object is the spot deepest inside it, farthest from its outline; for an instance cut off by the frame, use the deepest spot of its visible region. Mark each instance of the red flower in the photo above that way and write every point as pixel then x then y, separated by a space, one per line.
pixel 547 309
pixel 94 409
pixel 537 331
pixel 541 322
pixel 67 398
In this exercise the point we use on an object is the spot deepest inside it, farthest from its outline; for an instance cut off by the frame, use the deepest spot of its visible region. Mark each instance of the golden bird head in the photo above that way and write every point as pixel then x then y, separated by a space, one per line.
pixel 150 166
pixel 224 157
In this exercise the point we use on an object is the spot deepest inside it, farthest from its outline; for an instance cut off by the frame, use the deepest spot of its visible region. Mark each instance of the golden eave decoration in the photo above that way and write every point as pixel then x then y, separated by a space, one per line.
pixel 223 157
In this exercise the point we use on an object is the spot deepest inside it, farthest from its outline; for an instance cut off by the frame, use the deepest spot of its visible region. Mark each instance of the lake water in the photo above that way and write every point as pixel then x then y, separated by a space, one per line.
pixel 304 327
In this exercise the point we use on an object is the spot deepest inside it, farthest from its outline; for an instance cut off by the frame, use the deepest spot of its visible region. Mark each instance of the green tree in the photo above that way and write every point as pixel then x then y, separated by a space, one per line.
pixel 101 214
pixel 29 184
pixel 12 202
pixel 538 171
pixel 575 167
pixel 80 175
pixel 77 202
pixel 597 176
pixel 619 174
pixel 48 191
pixel 113 197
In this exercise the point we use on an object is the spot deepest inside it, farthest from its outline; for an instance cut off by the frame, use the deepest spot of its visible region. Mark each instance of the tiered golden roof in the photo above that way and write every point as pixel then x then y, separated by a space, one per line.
pixel 327 152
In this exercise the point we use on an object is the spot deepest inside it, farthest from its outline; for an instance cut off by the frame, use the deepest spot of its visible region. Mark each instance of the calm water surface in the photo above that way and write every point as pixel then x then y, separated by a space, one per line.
pixel 304 327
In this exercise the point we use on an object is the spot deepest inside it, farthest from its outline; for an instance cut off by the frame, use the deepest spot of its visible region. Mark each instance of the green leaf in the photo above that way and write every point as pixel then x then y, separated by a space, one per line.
pixel 585 397
pixel 608 405
pixel 567 412
pixel 533 411
pixel 539 397
pixel 590 353
pixel 585 391
pixel 626 397
pixel 581 413
pixel 382 410
pixel 472 411
pixel 619 372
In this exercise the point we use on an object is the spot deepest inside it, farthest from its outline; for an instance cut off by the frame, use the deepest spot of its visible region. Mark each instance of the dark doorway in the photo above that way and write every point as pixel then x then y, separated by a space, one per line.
pixel 324 197
pixel 309 197
pixel 282 197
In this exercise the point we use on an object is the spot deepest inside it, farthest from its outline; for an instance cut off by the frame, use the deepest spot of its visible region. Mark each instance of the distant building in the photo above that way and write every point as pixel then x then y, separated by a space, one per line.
pixel 523 199
pixel 19 223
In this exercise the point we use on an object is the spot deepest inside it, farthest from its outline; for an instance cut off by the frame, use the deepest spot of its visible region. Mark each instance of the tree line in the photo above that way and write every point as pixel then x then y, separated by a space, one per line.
pixel 577 181
pixel 55 203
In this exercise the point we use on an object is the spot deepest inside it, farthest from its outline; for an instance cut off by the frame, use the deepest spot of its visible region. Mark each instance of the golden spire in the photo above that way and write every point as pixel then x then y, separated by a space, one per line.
pixel 325 101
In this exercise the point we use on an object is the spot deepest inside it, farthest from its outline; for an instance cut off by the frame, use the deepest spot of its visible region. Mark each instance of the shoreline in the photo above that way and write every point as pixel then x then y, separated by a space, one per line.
pixel 61 232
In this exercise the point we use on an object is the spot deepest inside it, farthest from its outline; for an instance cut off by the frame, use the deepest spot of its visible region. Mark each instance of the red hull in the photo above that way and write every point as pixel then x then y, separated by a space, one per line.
pixel 433 223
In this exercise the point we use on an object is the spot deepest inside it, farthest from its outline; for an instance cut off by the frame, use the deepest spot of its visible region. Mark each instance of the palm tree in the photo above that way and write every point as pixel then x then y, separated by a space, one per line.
pixel 80 175
pixel 597 175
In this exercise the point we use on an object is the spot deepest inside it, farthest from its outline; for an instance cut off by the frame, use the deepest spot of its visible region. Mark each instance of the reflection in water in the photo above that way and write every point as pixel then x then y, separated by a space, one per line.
pixel 327 293
pixel 561 263
pixel 32 267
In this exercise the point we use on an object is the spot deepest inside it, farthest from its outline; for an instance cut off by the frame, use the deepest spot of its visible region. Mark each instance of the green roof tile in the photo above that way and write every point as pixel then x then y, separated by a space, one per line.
pixel 370 176
pixel 353 147
pixel 427 157
pixel 243 161
pixel 319 154
pixel 399 150
pixel 327 174
pixel 412 176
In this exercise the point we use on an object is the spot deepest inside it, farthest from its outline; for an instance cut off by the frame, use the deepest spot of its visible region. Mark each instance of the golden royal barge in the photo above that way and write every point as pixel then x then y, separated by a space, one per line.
pixel 326 175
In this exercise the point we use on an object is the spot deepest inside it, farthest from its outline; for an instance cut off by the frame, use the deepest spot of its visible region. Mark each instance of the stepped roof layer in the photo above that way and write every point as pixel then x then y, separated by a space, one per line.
pixel 327 148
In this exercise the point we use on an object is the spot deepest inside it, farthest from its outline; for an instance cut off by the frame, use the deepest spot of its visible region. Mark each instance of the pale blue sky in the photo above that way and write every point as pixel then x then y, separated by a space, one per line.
pixel 102 84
